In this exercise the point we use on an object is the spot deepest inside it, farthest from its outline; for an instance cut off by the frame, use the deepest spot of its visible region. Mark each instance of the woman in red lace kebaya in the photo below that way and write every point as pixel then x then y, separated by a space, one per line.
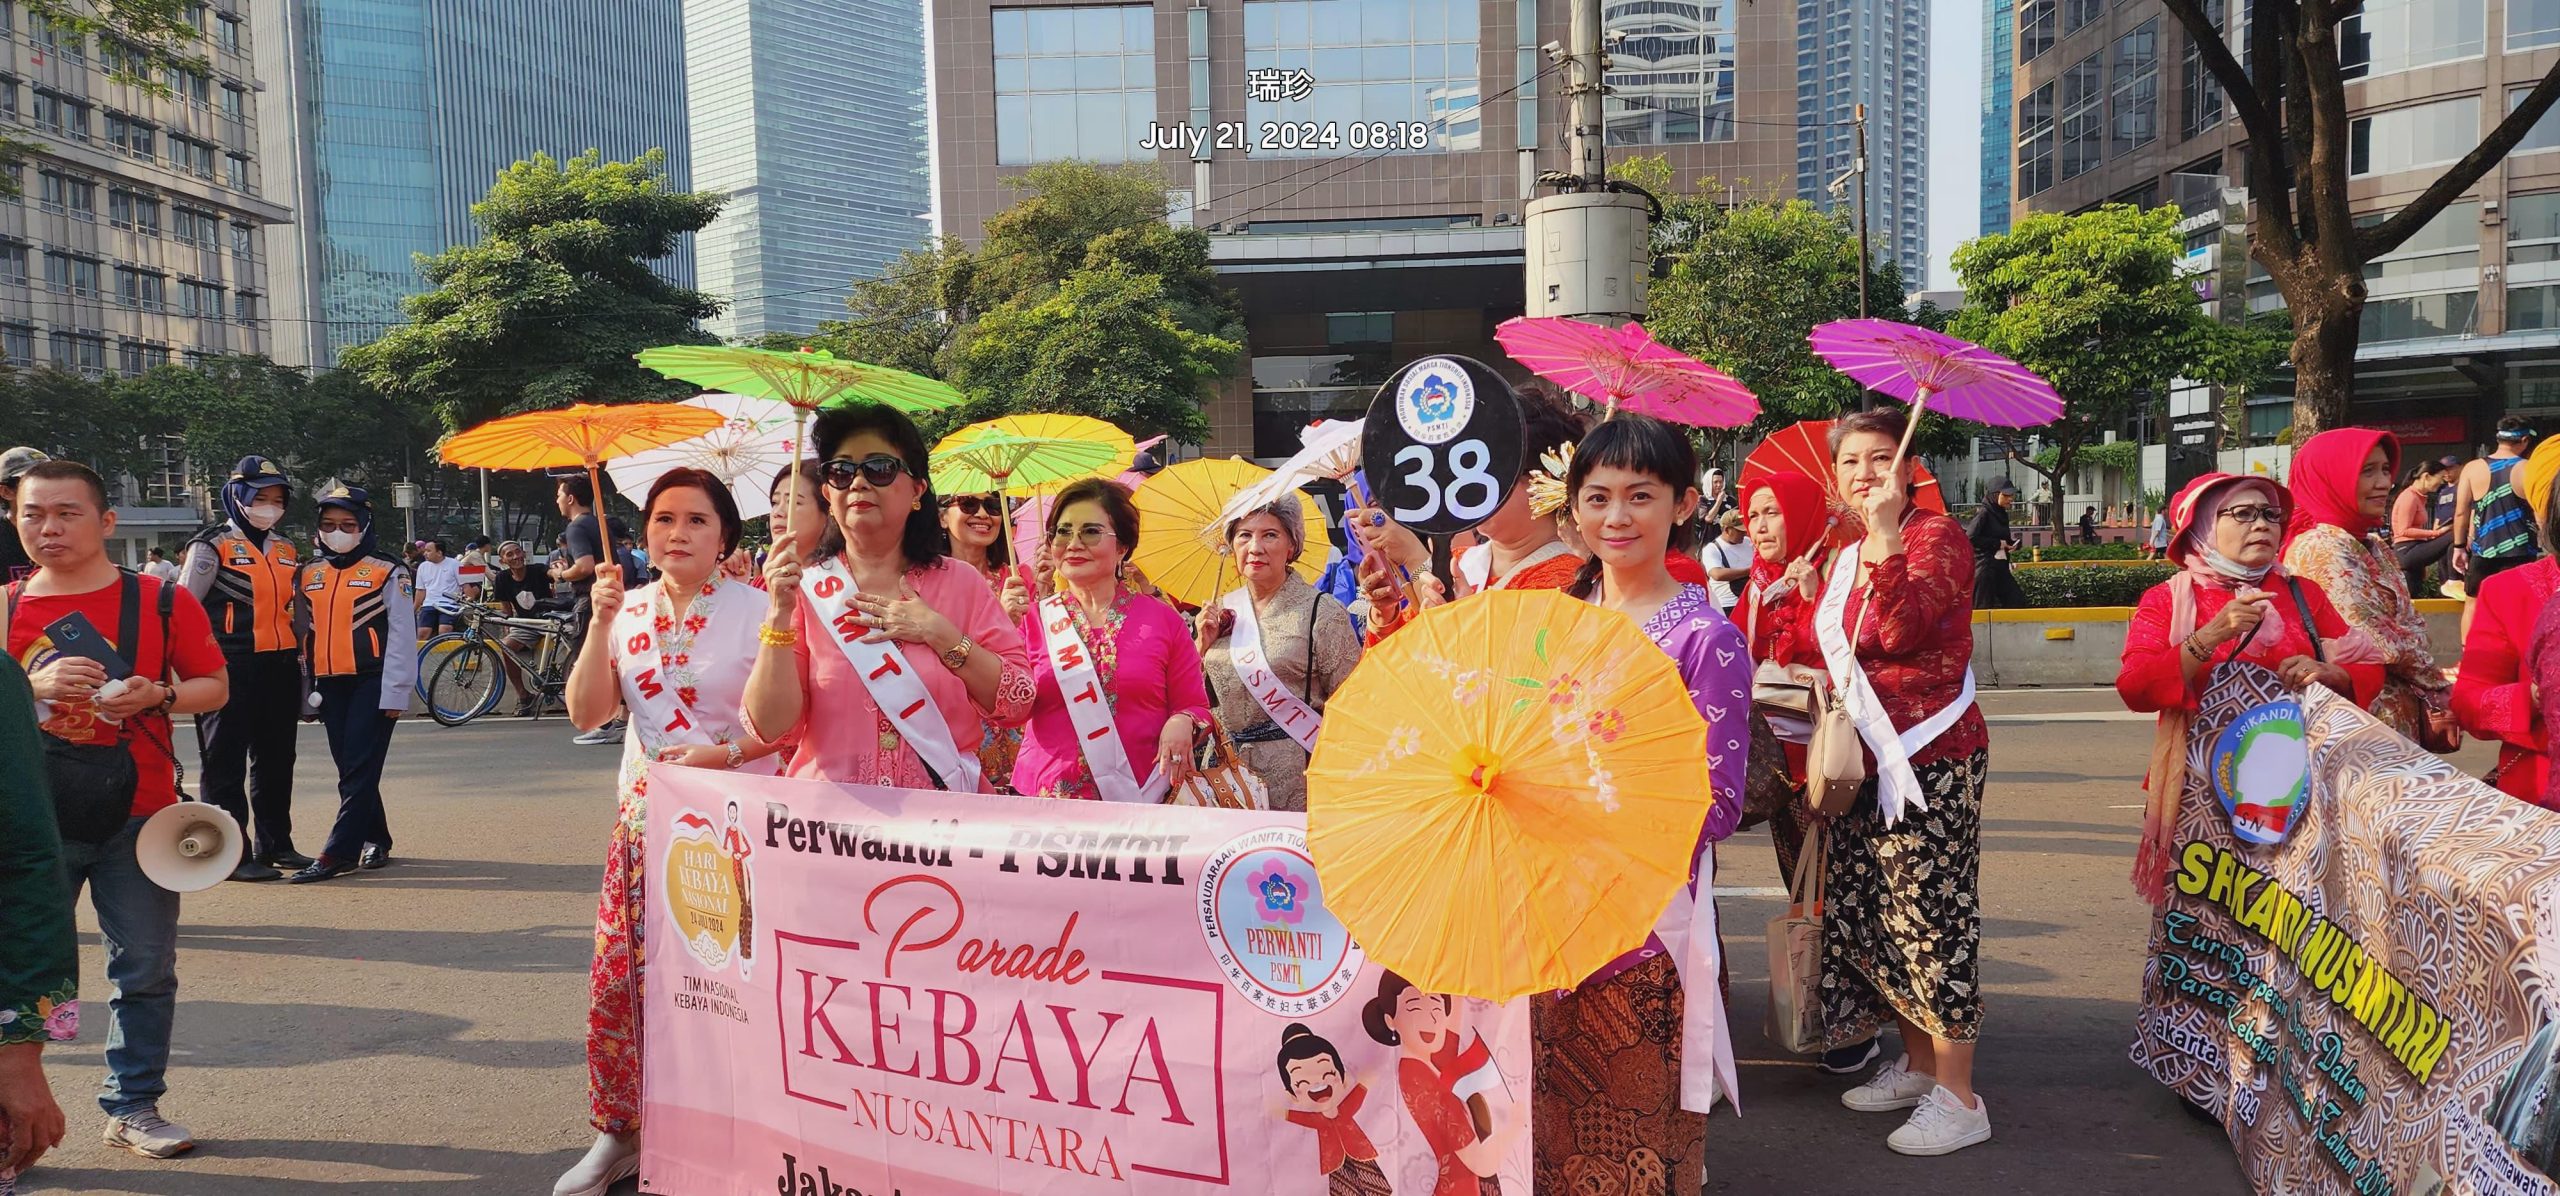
pixel 1902 918
pixel 2493 694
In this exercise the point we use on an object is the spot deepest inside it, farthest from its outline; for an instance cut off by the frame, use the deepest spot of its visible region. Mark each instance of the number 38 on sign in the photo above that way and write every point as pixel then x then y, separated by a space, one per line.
pixel 1442 444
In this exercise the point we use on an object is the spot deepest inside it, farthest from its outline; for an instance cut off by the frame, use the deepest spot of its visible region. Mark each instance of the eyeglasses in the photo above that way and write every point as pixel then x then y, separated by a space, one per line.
pixel 971 504
pixel 2249 515
pixel 1087 536
pixel 880 469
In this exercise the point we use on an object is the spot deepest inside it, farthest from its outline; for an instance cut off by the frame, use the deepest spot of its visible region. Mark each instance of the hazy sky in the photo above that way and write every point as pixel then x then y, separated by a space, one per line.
pixel 1955 132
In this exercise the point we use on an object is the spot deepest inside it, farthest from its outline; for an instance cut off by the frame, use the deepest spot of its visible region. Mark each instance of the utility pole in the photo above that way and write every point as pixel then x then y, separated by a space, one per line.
pixel 1588 253
pixel 1858 166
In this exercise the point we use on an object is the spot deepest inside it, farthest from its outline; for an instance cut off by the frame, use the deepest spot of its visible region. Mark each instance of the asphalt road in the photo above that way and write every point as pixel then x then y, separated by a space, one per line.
pixel 416 1031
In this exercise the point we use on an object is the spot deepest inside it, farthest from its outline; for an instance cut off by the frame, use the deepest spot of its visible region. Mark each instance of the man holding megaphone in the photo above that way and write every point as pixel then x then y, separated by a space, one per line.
pixel 112 655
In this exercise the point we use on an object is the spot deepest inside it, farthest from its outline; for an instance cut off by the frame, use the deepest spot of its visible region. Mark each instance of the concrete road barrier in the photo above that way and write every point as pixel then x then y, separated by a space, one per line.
pixel 2081 645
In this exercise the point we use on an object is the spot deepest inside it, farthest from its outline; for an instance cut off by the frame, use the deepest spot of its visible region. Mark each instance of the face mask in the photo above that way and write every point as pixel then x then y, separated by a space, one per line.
pixel 264 515
pixel 340 542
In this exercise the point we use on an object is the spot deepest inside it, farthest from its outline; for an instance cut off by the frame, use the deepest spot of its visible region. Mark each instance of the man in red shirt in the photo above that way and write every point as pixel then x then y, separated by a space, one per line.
pixel 64 520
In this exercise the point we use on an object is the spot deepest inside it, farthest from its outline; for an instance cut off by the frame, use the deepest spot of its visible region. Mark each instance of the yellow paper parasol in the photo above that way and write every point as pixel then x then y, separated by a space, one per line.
pixel 1507 794
pixel 1178 547
pixel 583 434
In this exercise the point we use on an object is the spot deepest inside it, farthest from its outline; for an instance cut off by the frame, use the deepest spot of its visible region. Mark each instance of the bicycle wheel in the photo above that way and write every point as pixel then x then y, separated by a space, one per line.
pixel 467 684
pixel 432 653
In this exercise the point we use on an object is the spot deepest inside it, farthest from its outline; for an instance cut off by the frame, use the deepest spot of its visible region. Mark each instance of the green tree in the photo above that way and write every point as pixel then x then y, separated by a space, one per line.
pixel 1106 344
pixel 548 308
pixel 903 318
pixel 2291 97
pixel 219 412
pixel 69 416
pixel 2096 304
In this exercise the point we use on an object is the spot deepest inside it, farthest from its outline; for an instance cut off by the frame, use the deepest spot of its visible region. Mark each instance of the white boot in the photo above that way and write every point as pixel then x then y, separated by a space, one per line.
pixel 613 1159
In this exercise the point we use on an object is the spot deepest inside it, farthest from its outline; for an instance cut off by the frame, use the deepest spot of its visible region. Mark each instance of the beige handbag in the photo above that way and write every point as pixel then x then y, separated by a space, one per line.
pixel 1224 783
pixel 1835 762
pixel 1795 958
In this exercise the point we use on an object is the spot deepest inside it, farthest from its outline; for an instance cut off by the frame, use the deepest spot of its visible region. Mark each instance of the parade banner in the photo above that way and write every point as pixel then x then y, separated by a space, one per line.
pixel 2358 968
pixel 857 991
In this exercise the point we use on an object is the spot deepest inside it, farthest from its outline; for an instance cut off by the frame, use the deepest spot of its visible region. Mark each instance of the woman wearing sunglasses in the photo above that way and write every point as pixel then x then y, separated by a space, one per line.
pixel 975 525
pixel 2231 601
pixel 887 656
pixel 1120 695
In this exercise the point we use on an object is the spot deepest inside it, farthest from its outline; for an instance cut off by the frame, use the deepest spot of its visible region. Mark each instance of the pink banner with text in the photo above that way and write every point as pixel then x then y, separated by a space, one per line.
pixel 856 991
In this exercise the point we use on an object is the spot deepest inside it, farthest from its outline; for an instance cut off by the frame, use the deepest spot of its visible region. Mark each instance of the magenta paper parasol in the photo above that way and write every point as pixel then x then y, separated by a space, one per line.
pixel 1924 368
pixel 1624 368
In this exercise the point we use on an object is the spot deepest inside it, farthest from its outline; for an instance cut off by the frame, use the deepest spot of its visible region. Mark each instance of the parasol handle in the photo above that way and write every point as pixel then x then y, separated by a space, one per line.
pixel 791 466
pixel 604 526
pixel 1368 501
pixel 1919 403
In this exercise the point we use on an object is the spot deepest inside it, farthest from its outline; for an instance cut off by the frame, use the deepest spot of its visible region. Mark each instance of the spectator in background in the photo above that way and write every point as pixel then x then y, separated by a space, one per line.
pixel 2493 689
pixel 2493 525
pixel 1994 586
pixel 585 548
pixel 160 565
pixel 2089 526
pixel 2419 538
pixel 439 591
pixel 1714 499
pixel 14 563
pixel 1728 560
pixel 2451 466
pixel 2156 545
pixel 64 518
pixel 2341 489
pixel 521 592
pixel 475 570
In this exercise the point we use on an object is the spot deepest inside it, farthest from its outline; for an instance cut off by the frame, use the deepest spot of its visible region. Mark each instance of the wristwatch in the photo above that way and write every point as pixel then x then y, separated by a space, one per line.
pixel 958 656
pixel 168 697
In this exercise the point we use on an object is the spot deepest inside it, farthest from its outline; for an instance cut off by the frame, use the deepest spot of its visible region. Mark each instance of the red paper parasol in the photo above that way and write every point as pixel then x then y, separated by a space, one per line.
pixel 1626 369
pixel 1805 448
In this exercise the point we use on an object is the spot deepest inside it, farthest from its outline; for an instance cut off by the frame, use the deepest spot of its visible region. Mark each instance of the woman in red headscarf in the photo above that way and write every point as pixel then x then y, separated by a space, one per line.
pixel 2493 694
pixel 1785 514
pixel 2341 482
pixel 2232 601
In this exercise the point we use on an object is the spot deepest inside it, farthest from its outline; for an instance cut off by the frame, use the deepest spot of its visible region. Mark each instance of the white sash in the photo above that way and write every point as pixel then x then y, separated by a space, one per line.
pixel 1244 648
pixel 654 705
pixel 1896 784
pixel 1089 708
pixel 883 669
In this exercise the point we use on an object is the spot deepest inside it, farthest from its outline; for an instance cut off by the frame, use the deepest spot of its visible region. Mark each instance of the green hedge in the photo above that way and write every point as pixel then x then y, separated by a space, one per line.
pixel 2086 552
pixel 2095 584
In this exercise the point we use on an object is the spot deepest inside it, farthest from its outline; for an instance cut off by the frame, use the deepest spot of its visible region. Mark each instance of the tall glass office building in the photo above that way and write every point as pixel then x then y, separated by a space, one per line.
pixel 1872 52
pixel 811 115
pixel 395 116
pixel 1998 34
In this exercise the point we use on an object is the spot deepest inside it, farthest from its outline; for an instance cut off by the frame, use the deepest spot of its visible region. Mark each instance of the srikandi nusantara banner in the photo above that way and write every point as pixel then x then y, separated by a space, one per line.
pixel 870 991
pixel 2358 968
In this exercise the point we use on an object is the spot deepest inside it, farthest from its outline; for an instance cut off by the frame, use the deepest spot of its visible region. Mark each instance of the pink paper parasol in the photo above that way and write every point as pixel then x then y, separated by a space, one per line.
pixel 1626 369
pixel 1925 369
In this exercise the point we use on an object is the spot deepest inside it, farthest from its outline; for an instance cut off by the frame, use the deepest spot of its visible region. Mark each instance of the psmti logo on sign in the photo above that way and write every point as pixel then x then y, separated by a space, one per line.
pixel 1268 927
pixel 1434 400
pixel 2262 770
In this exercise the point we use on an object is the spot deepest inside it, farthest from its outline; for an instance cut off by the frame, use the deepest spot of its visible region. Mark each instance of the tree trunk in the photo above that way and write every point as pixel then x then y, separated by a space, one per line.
pixel 2325 326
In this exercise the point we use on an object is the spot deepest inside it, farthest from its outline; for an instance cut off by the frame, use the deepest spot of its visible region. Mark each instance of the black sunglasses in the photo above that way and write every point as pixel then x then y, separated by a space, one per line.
pixel 971 504
pixel 880 469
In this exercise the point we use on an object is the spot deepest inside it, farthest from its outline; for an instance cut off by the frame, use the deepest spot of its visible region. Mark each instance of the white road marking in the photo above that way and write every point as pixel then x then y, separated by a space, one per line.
pixel 1751 891
pixel 2075 716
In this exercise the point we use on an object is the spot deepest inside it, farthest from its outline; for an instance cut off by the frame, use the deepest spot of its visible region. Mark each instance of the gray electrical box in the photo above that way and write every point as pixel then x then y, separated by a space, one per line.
pixel 1588 256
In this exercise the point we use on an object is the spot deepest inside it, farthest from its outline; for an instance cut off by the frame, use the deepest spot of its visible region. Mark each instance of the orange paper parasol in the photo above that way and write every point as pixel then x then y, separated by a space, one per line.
pixel 582 434
pixel 1507 794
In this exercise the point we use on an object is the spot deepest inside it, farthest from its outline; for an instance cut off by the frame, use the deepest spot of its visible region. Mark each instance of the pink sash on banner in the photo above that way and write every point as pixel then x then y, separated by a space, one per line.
pixel 1244 648
pixel 885 672
pixel 1089 708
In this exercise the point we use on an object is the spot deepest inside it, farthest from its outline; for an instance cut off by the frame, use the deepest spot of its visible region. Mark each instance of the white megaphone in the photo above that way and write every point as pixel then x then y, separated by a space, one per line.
pixel 189 846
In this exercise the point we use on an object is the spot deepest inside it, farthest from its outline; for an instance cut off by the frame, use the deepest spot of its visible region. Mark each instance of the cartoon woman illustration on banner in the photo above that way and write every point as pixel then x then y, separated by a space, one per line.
pixel 1323 1097
pixel 733 840
pixel 1437 1077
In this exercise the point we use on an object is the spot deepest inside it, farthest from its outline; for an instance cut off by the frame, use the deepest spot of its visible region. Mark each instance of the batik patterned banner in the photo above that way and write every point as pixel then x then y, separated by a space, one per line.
pixel 875 991
pixel 2358 969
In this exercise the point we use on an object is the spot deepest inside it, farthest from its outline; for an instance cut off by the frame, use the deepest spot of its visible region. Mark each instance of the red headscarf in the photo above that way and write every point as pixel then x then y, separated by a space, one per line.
pixel 2328 469
pixel 1804 505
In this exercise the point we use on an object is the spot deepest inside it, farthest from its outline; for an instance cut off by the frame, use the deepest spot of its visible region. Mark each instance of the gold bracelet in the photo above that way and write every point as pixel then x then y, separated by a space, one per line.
pixel 772 638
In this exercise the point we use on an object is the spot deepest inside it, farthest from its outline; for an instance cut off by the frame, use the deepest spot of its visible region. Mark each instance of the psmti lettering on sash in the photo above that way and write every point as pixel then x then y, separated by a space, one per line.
pixel 1089 708
pixel 635 627
pixel 1244 647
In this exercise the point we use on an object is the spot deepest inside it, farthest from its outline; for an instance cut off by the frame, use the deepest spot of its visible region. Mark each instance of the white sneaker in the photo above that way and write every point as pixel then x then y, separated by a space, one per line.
pixel 1942 1125
pixel 1894 1086
pixel 613 1159
pixel 609 733
pixel 145 1132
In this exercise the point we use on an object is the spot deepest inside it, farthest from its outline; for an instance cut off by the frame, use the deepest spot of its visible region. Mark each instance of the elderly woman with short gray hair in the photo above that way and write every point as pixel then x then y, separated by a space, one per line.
pixel 1275 649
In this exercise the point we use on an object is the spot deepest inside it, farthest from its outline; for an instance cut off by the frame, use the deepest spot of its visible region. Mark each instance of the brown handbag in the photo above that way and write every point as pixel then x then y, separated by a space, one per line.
pixel 1224 783
pixel 1835 762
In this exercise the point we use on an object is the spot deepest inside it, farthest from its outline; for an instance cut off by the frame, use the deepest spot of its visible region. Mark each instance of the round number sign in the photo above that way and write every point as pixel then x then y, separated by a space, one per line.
pixel 1442 445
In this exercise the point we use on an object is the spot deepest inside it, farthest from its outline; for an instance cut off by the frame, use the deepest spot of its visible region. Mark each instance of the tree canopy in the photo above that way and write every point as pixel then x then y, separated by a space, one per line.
pixel 549 307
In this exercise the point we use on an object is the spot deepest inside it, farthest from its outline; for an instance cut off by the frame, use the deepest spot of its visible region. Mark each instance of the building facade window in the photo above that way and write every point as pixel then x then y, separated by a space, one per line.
pixel 2083 93
pixel 2412 137
pixel 2135 91
pixel 1074 83
pixel 127 209
pixel 8 99
pixel 60 38
pixel 2035 142
pixel 2199 92
pixel 203 300
pixel 244 307
pixel 13 263
pixel 234 102
pixel 1671 78
pixel 1400 62
pixel 236 172
pixel 2533 261
pixel 134 358
pixel 2545 133
pixel 133 135
pixel 2035 28
pixel 244 242
pixel 228 33
pixel 62 193
pixel 200 229
pixel 142 289
pixel 2430 285
pixel 2532 23
pixel 2395 35
pixel 18 344
pixel 2076 14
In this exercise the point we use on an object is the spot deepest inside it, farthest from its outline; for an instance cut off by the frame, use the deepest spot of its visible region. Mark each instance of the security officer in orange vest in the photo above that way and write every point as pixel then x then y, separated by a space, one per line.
pixel 357 613
pixel 243 573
